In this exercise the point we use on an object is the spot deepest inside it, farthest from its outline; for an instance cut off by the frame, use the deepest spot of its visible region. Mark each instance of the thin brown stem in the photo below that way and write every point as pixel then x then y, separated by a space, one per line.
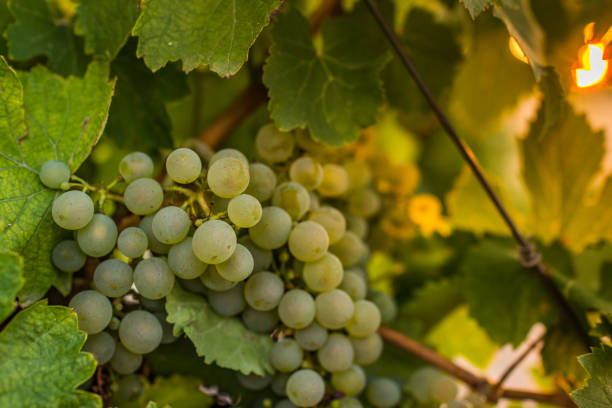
pixel 517 361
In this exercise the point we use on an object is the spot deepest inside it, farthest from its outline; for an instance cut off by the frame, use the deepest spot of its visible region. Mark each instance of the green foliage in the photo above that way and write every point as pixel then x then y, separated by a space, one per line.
pixel 475 7
pixel 11 281
pixel 176 390
pixel 599 387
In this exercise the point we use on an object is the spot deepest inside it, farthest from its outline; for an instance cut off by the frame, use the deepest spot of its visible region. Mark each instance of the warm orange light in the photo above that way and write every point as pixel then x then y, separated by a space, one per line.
pixel 516 50
pixel 594 67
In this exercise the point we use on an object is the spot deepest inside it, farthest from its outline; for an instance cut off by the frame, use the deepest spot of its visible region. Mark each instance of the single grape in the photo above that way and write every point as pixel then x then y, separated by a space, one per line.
pixel 350 382
pixel 227 303
pixel 307 172
pixel 296 309
pixel 262 182
pixel 386 305
pixel 54 173
pixel 365 320
pixel 334 309
pixel 349 402
pixel 114 323
pixel 357 225
pixel 312 337
pixel 68 257
pixel 153 305
pixel 272 231
pixel 244 211
pixel 293 198
pixel 228 177
pixel 194 285
pixel 358 173
pixel 170 225
pixel 429 385
pixel 140 332
pixel 367 349
pixel 262 258
pixel 183 262
pixel 183 165
pixel 143 196
pixel 286 355
pixel 130 388
pixel 167 328
pixel 72 210
pixel 363 203
pixel 259 321
pixel 305 388
pixel 332 220
pixel 132 242
pixel 308 241
pixel 337 353
pixel 212 280
pixel 350 249
pixel 273 145
pixel 263 291
pixel 223 153
pixel 146 224
pixel 354 284
pixel 443 390
pixel 153 278
pixel 324 274
pixel 124 361
pixel 101 345
pixel 113 278
pixel 238 267
pixel 135 165
pixel 94 310
pixel 98 238
pixel 335 181
pixel 383 393
pixel 214 241
pixel 253 382
pixel 279 384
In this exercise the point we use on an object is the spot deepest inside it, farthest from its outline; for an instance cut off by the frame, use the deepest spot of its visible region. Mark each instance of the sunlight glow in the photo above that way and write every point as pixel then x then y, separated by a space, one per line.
pixel 516 50
pixel 594 67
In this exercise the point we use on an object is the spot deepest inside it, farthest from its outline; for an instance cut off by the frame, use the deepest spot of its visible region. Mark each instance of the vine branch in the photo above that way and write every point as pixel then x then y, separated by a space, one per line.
pixel 517 361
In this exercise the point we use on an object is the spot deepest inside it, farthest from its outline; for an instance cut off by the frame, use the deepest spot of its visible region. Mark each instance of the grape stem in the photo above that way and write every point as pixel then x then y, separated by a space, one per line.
pixel 103 192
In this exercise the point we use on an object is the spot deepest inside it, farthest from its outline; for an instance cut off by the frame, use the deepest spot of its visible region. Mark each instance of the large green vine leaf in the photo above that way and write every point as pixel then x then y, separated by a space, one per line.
pixel 221 340
pixel 41 364
pixel 598 392
pixel 44 117
pixel 11 281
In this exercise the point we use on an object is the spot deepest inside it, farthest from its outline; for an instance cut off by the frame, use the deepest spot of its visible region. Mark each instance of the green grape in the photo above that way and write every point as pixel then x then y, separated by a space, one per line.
pixel 383 393
pixel 124 361
pixel 260 321
pixel 286 355
pixel 214 242
pixel 272 231
pixel 307 172
pixel 350 249
pixel 193 285
pixel 183 165
pixel 334 309
pixel 238 267
pixel 285 403
pixel 365 320
pixel 273 145
pixel 143 196
pixel 335 181
pixel 357 225
pixel 212 280
pixel 262 182
pixel 262 258
pixel 72 210
pixel 332 220
pixel 263 291
pixel 358 173
pixel 279 384
pixel 296 309
pixel 337 353
pixel 228 177
pixel 153 305
pixel 101 345
pixel 308 241
pixel 167 328
pixel 135 165
pixel 443 390
pixel 153 278
pixel 476 400
pixel 227 303
pixel 429 385
pixel 223 153
pixel 293 198
pixel 351 381
pixel 132 242
pixel 305 388
pixel 312 337
pixel 114 323
pixel 68 257
pixel 140 332
pixel 113 278
pixel 94 310
pixel 303 140
pixel 367 349
pixel 386 305
pixel 130 388
pixel 54 173
pixel 349 402
pixel 244 211
pixel 324 274
pixel 253 382
pixel 315 204
pixel 363 203
pixel 170 225
pixel 146 224
pixel 354 284
pixel 183 262
pixel 98 238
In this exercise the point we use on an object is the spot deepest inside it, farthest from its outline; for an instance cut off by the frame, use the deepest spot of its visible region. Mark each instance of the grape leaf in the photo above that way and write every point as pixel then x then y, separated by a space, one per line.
pixel 561 344
pixel 598 392
pixel 335 90
pixel 222 340
pixel 201 32
pixel 105 24
pixel 5 19
pixel 11 280
pixel 41 362
pixel 176 390
pixel 475 7
pixel 45 117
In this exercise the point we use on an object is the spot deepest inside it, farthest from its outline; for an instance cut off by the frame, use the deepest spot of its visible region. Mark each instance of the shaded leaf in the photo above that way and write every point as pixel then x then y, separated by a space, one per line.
pixel 561 345
pixel 598 392
pixel 11 281
pixel 475 7
pixel 177 390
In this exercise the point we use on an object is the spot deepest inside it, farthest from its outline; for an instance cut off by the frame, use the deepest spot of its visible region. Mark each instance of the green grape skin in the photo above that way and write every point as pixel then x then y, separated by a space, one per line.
pixel 262 258
pixel 305 388
pixel 365 320
pixel 153 305
pixel 429 385
pixel 94 311
pixel 262 182
pixel 350 382
pixel 54 173
pixel 167 328
pixel 72 210
pixel 307 143
pixel 214 242
pixel 101 345
pixel 272 231
pixel 143 196
pixel 335 181
pixel 193 285
pixel 354 284
pixel 140 332
pixel 273 145
pixel 296 309
pixel 223 153
pixel 383 393
pixel 293 198
pixel 98 238
pixel 349 249
pixel 286 355
pixel 114 323
pixel 170 225
pixel 228 303
pixel 146 224
pixel 363 203
pixel 68 257
pixel 183 262
pixel 253 382
pixel 324 274
pixel 279 384
pixel 244 211
pixel 349 402
pixel 307 172
pixel 285 403
pixel 263 291
pixel 129 388
pixel 132 242
pixel 260 321
pixel 124 361
pixel 443 390
pixel 334 309
pixel 238 266
pixel 113 278
pixel 311 338
pixel 183 165
pixel 153 278
pixel 315 204
pixel 136 165
pixel 213 281
pixel 308 241
pixel 337 353
pixel 367 349
pixel 228 177
pixel 332 220
pixel 358 173
pixel 386 305
pixel 357 225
